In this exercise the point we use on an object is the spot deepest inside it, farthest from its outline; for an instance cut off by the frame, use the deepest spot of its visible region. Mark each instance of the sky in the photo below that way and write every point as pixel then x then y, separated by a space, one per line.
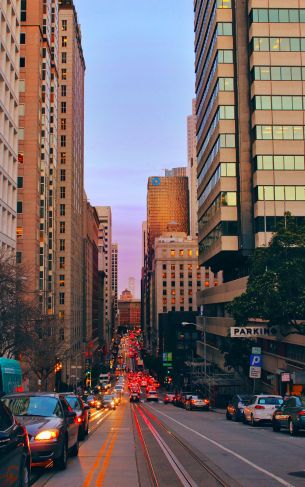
pixel 139 90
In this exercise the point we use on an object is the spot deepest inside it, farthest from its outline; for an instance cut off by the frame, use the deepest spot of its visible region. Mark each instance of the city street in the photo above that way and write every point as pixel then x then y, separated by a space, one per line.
pixel 153 444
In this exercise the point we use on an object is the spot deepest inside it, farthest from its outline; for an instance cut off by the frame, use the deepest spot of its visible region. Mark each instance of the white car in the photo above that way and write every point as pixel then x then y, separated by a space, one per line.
pixel 119 388
pixel 261 408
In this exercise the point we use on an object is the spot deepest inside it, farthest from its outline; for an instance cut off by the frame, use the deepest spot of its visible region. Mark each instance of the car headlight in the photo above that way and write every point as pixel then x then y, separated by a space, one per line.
pixel 47 435
pixel 112 403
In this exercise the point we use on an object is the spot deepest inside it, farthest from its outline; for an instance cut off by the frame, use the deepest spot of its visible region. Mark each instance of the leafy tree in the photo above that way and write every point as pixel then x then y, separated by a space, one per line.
pixel 275 291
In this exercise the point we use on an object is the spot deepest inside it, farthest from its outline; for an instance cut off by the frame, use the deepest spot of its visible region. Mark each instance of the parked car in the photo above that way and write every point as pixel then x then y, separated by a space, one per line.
pixel 168 398
pixel 152 396
pixel 15 457
pixel 51 425
pixel 134 397
pixel 290 415
pixel 196 402
pixel 82 411
pixel 235 407
pixel 261 408
pixel 183 397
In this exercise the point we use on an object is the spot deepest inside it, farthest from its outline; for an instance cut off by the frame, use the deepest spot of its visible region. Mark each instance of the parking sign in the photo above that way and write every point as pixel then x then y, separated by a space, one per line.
pixel 255 360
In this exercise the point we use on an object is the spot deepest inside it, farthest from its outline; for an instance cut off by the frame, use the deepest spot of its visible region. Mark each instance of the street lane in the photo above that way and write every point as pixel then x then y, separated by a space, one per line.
pixel 277 459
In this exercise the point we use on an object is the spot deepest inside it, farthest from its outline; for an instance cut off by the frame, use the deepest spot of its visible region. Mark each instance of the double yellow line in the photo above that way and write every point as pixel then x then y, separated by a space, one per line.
pixel 107 447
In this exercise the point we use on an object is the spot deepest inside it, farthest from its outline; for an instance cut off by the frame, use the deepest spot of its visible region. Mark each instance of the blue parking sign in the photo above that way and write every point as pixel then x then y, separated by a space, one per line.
pixel 255 360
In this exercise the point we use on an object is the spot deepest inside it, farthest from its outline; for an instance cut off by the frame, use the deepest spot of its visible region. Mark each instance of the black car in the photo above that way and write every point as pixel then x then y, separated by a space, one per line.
pixel 82 411
pixel 134 397
pixel 291 415
pixel 235 407
pixel 15 457
pixel 51 425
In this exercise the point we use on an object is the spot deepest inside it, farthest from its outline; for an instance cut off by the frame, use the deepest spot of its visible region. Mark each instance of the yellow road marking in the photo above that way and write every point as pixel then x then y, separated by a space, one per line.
pixel 91 472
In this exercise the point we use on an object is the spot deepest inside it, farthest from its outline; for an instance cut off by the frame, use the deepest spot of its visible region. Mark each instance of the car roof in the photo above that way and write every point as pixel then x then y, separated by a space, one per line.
pixel 35 394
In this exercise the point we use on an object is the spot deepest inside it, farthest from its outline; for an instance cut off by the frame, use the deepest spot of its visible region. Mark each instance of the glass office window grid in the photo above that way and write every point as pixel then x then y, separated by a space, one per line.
pixel 278 73
pixel 278 44
pixel 278 102
pixel 225 198
pixel 279 132
pixel 277 15
pixel 280 193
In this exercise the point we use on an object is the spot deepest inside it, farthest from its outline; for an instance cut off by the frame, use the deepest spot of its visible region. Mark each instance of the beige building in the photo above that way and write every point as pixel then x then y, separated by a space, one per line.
pixel 9 99
pixel 37 157
pixel 114 279
pixel 105 264
pixel 70 186
pixel 176 276
pixel 192 169
pixel 250 75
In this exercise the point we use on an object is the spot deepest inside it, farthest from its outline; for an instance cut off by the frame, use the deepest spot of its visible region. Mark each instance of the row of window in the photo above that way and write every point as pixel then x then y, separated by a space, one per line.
pixel 280 193
pixel 287 15
pixel 278 73
pixel 174 308
pixel 224 112
pixel 173 267
pixel 272 223
pixel 279 163
pixel 174 283
pixel 181 252
pixel 278 102
pixel 223 229
pixel 278 44
pixel 181 291
pixel 172 275
pixel 279 132
pixel 173 300
pixel 225 198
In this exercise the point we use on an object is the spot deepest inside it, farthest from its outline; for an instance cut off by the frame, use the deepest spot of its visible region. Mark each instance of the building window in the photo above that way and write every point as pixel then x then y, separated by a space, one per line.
pixel 279 162
pixel 164 283
pixel 173 300
pixel 20 182
pixel 173 253
pixel 61 298
pixel 63 90
pixel 19 206
pixel 63 141
pixel 62 227
pixel 164 292
pixel 63 157
pixel 22 62
pixel 181 283
pixel 63 124
pixel 164 267
pixel 190 283
pixel 190 300
pixel 190 292
pixel 19 232
pixel 164 309
pixel 181 253
pixel 23 11
pixel 64 58
pixel 190 252
pixel 164 275
pixel 62 245
pixel 164 300
pixel 22 38
pixel 64 41
pixel 62 174
pixel 18 257
pixel 63 107
pixel 173 292
pixel 21 85
pixel 173 275
pixel 61 280
pixel 21 134
pixel 64 74
pixel 64 25
pixel 62 209
pixel 61 262
pixel 62 191
pixel 173 283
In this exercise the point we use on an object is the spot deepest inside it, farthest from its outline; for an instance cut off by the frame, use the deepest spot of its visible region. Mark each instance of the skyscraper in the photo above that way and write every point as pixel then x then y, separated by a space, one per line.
pixel 105 264
pixel 37 158
pixel 9 98
pixel 132 286
pixel 70 177
pixel 192 170
pixel 114 279
pixel 250 72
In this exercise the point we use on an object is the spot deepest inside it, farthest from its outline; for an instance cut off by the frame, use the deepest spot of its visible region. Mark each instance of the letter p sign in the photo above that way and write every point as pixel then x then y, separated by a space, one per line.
pixel 256 360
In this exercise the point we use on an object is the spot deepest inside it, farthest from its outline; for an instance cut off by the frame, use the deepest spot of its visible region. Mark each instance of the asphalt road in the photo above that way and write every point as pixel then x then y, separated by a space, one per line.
pixel 150 444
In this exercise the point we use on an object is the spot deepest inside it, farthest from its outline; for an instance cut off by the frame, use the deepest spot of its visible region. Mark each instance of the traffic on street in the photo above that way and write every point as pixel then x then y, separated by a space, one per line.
pixel 132 431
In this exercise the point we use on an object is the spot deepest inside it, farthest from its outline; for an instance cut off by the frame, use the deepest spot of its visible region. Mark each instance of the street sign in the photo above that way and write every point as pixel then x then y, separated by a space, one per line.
pixel 255 372
pixel 256 360
pixel 256 350
pixel 252 331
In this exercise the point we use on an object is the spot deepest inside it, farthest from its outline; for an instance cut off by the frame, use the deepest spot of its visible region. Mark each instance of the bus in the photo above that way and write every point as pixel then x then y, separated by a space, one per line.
pixel 10 376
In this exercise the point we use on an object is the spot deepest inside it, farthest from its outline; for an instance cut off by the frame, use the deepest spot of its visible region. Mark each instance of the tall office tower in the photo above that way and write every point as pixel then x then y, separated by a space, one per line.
pixel 192 169
pixel 175 171
pixel 114 279
pixel 9 98
pixel 167 206
pixel 70 187
pixel 105 264
pixel 132 286
pixel 38 148
pixel 250 72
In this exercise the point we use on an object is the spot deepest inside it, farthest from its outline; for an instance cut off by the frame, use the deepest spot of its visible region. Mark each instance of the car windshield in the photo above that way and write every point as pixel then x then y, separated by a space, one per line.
pixel 34 406
pixel 73 402
pixel 270 401
pixel 195 397
pixel 108 398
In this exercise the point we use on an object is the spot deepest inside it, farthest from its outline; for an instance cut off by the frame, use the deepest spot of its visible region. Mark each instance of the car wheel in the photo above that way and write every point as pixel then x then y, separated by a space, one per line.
pixel 252 422
pixel 24 480
pixel 61 462
pixel 276 426
pixel 292 428
pixel 75 449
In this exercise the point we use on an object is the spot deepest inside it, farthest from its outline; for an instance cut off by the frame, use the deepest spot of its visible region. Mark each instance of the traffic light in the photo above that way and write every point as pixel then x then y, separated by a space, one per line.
pixel 58 366
pixel 88 378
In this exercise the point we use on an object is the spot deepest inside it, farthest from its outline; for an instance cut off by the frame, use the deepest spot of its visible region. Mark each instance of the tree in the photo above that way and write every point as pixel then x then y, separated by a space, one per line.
pixel 275 291
pixel 16 314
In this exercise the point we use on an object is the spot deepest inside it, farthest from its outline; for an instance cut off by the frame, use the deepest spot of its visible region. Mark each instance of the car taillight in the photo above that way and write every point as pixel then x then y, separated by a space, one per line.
pixel 193 401
pixel 206 401
pixel 259 407
pixel 78 420
pixel 301 413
